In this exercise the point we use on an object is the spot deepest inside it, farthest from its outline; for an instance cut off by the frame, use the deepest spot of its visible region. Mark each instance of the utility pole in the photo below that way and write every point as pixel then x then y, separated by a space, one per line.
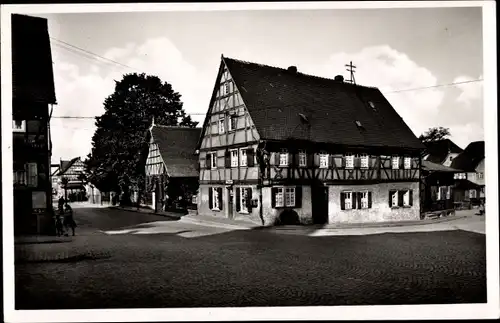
pixel 350 69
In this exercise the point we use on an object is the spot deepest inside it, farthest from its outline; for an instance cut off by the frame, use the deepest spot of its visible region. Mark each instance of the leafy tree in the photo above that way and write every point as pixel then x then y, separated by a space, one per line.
pixel 435 134
pixel 119 149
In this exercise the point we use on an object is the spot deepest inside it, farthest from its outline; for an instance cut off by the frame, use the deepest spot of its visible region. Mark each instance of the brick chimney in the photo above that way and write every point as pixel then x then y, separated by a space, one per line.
pixel 292 69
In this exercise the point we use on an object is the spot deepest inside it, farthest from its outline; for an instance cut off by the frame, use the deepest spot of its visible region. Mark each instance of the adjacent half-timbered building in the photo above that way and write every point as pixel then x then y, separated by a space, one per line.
pixel 278 145
pixel 172 168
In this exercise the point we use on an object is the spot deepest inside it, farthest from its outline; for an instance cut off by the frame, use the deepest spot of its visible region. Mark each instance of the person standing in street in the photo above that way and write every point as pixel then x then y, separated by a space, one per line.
pixel 69 221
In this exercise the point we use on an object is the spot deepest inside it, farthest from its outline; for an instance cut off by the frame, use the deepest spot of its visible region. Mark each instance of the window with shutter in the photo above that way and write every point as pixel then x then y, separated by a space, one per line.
pixel 221 126
pixel 407 163
pixel 364 200
pixel 274 193
pixel 364 161
pixel 290 197
pixel 395 162
pixel 406 198
pixel 249 199
pixel 243 199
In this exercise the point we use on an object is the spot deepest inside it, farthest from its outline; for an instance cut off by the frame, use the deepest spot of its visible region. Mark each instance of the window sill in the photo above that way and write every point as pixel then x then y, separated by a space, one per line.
pixel 216 210
pixel 243 212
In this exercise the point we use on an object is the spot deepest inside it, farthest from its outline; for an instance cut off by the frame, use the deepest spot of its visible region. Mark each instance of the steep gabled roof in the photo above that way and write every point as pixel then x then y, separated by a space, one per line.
pixel 470 158
pixel 290 105
pixel 177 148
pixel 66 164
pixel 31 52
pixel 439 149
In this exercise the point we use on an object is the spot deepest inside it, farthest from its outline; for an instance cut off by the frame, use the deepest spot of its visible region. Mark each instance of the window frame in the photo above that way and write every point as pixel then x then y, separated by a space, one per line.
pixel 348 200
pixel 243 157
pixel 29 176
pixel 280 191
pixel 230 123
pixel 324 157
pixel 213 160
pixel 236 159
pixel 395 162
pixel 287 191
pixel 283 153
pixel 302 158
pixel 215 199
pixel 395 199
pixel 366 158
pixel 243 204
pixel 405 164
pixel 349 157
pixel 364 199
pixel 406 198
pixel 221 126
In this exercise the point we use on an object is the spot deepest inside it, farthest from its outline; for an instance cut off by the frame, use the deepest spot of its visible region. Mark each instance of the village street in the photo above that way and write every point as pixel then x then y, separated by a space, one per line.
pixel 123 259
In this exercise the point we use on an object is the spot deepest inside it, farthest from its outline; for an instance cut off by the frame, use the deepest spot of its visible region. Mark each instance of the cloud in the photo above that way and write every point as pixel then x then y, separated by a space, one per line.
pixel 81 91
pixel 464 134
pixel 469 92
pixel 390 70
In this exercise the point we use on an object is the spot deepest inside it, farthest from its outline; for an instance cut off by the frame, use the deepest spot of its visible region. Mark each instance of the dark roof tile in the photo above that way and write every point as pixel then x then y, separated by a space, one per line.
pixel 276 97
pixel 177 148
pixel 470 158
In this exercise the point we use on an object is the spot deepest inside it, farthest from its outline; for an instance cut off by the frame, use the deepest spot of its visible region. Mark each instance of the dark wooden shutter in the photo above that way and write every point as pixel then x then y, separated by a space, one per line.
pixel 274 191
pixel 208 161
pixel 401 162
pixel 400 198
pixel 369 200
pixel 343 161
pixel 371 161
pixel 411 197
pixel 227 159
pixel 330 161
pixel 359 195
pixel 238 207
pixel 248 200
pixel 296 155
pixel 210 198
pixel 353 200
pixel 391 192
pixel 250 157
pixel 298 196
pixel 277 158
pixel 219 190
pixel 342 201
pixel 310 159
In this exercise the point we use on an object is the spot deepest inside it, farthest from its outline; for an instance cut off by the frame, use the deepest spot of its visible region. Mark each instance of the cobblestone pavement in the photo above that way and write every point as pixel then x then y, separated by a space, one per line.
pixel 252 268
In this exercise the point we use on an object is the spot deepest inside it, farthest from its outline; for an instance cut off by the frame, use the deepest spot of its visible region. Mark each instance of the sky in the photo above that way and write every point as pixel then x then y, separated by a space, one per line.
pixel 393 49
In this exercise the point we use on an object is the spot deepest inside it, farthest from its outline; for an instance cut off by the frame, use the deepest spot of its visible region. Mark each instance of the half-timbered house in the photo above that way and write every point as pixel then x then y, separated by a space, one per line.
pixel 172 168
pixel 276 141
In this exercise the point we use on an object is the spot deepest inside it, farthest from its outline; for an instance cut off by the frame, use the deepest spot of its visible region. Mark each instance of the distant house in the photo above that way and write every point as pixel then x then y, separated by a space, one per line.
pixel 441 151
pixel 437 187
pixel 280 146
pixel 172 167
pixel 74 171
pixel 470 182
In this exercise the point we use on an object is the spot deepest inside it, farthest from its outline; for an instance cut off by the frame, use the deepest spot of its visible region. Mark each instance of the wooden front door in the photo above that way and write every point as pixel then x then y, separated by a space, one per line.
pixel 230 202
pixel 319 199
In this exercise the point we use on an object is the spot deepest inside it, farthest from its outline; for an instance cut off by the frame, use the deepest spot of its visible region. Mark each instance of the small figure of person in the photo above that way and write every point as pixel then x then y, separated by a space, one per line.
pixel 60 202
pixel 69 221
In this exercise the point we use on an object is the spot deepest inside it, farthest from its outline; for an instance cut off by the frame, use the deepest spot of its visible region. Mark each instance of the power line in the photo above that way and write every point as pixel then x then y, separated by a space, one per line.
pixel 94 54
pixel 267 108
pixel 435 86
